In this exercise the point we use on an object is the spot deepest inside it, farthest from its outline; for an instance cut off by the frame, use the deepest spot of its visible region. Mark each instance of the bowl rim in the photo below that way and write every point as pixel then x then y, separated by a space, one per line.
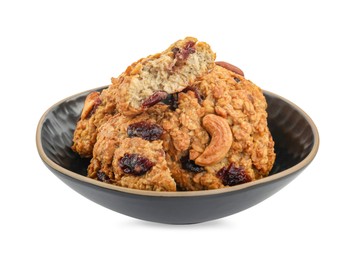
pixel 307 160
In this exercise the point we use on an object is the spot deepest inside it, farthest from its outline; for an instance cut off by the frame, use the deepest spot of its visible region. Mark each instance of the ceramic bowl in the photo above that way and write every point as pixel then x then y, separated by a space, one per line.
pixel 296 144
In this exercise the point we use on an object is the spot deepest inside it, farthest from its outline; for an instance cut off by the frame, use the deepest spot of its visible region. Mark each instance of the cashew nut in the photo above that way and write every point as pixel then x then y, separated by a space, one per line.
pixel 220 143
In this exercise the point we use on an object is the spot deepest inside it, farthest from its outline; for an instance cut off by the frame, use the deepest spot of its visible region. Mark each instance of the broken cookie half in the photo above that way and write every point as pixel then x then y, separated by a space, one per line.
pixel 151 79
pixel 143 84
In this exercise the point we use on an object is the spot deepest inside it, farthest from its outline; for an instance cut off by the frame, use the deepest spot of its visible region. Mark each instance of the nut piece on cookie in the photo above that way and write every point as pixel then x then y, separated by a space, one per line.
pixel 226 137
pixel 243 104
pixel 230 67
pixel 221 140
pixel 149 80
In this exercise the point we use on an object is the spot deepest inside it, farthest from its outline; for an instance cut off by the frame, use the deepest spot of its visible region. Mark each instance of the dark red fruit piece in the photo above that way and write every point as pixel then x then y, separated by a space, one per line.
pixel 145 130
pixel 190 47
pixel 135 164
pixel 183 54
pixel 233 175
pixel 103 177
pixel 155 98
pixel 172 101
pixel 190 165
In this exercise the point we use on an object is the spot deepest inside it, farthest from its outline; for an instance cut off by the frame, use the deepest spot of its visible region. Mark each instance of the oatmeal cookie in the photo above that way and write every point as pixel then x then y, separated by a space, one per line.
pixel 143 84
pixel 219 133
pixel 98 108
pixel 129 152
pixel 211 135
pixel 243 105
pixel 140 164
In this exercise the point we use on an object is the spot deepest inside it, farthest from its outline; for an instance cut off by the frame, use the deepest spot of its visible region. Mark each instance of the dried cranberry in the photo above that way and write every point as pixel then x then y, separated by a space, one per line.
pixel 155 98
pixel 172 101
pixel 135 164
pixel 196 93
pixel 103 177
pixel 183 54
pixel 233 175
pixel 190 165
pixel 145 130
pixel 190 47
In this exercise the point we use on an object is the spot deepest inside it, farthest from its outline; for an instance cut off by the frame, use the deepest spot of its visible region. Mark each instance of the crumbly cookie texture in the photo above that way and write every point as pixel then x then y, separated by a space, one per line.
pixel 243 105
pixel 126 147
pixel 157 177
pixel 177 120
pixel 230 107
pixel 211 135
pixel 143 84
pixel 98 108
pixel 149 80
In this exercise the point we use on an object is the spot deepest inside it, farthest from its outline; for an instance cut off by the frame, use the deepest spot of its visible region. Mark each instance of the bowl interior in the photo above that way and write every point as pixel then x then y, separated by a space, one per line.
pixel 291 131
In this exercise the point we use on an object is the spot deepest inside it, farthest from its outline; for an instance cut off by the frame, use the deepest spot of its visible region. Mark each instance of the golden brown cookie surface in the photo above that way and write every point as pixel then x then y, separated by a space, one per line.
pixel 211 135
pixel 219 133
pixel 143 84
pixel 129 152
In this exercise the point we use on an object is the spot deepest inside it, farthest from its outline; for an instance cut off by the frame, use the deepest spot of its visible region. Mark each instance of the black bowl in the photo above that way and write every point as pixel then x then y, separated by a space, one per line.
pixel 296 144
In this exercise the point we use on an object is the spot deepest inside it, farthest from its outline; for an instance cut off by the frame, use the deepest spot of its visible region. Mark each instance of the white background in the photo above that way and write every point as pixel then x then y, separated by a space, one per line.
pixel 302 50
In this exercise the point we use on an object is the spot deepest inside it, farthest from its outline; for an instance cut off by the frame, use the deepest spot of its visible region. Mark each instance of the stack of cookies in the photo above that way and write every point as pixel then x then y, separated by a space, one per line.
pixel 177 120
